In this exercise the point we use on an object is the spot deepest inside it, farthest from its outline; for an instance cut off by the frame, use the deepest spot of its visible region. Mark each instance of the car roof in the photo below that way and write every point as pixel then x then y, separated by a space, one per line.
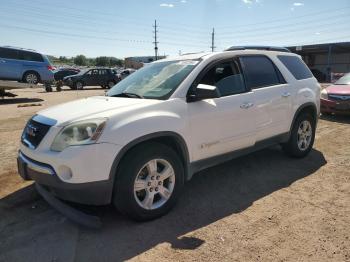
pixel 226 53
pixel 19 48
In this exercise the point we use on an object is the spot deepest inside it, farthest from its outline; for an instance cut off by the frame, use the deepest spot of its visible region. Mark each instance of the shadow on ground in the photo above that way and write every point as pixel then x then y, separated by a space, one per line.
pixel 8 101
pixel 344 119
pixel 30 229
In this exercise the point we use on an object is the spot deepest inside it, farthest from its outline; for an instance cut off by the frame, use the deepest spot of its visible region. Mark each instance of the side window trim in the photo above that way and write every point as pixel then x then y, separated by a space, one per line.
pixel 280 77
pixel 233 60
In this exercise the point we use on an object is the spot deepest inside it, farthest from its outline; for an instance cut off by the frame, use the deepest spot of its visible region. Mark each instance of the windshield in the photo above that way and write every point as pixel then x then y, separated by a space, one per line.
pixel 156 81
pixel 345 80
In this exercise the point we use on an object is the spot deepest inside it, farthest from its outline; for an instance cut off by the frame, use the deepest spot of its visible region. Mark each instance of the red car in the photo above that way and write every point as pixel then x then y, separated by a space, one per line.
pixel 336 98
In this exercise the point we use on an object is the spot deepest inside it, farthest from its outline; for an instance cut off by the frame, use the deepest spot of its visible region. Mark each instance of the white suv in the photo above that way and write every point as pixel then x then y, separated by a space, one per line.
pixel 139 144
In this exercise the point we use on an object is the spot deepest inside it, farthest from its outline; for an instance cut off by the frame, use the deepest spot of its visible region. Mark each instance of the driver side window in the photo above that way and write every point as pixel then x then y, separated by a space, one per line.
pixel 226 77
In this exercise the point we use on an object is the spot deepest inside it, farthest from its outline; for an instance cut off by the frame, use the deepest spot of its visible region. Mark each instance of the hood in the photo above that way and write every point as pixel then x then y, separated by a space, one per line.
pixel 92 107
pixel 338 89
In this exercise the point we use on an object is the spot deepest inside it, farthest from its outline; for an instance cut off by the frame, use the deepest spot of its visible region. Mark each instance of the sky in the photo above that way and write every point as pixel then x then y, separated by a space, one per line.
pixel 125 28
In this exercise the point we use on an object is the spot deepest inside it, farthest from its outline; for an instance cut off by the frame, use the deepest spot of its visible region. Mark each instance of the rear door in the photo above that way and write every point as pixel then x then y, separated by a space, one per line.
pixel 103 77
pixel 272 99
pixel 10 66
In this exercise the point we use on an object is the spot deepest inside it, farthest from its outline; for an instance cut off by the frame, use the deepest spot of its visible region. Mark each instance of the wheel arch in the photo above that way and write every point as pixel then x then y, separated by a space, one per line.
pixel 307 107
pixel 168 138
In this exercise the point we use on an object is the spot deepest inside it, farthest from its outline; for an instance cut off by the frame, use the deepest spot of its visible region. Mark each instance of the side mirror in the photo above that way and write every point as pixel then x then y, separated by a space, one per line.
pixel 204 92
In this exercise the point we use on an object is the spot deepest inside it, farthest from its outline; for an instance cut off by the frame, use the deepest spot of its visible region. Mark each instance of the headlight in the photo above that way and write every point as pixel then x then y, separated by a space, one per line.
pixel 79 133
pixel 324 94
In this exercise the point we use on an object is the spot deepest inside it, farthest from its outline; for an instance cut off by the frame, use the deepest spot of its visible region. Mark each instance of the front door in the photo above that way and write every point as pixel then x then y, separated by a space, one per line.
pixel 224 124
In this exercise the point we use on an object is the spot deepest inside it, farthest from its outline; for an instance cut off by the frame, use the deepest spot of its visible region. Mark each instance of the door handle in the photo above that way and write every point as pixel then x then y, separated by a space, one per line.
pixel 286 94
pixel 246 105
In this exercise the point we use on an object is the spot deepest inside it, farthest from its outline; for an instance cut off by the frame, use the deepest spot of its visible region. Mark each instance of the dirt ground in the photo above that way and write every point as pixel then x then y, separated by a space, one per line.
pixel 261 207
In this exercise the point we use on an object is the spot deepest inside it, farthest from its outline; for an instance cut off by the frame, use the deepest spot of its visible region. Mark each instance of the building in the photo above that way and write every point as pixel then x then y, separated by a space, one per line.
pixel 137 62
pixel 326 61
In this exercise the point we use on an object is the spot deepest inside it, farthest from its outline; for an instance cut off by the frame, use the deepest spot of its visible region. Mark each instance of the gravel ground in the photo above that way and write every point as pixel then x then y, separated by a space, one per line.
pixel 261 207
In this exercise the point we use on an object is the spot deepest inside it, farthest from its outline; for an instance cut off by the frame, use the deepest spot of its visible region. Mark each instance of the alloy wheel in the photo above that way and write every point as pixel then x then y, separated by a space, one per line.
pixel 154 184
pixel 304 135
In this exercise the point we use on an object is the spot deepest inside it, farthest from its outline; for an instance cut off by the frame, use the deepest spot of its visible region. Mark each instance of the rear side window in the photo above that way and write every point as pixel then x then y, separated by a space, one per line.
pixel 296 66
pixel 8 53
pixel 259 72
pixel 30 56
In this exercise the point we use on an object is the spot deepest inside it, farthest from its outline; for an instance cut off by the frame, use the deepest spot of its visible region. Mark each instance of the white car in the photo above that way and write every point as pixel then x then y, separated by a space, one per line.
pixel 139 144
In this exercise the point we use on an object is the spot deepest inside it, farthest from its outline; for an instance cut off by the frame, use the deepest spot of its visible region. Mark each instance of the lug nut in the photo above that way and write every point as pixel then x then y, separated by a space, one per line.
pixel 151 189
pixel 156 189
pixel 157 177
pixel 149 184
pixel 160 182
pixel 152 177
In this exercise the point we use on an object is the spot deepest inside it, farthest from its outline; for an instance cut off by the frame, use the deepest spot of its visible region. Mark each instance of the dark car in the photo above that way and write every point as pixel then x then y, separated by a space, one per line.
pixel 103 77
pixel 61 73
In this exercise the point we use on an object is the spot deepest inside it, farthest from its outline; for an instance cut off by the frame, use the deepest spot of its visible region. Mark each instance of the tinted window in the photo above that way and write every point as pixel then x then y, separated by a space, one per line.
pixel 8 53
pixel 260 71
pixel 30 56
pixel 296 66
pixel 103 72
pixel 226 77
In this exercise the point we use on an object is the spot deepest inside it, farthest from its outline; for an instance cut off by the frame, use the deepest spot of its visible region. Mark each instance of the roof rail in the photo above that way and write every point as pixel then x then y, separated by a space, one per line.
pixel 21 48
pixel 267 48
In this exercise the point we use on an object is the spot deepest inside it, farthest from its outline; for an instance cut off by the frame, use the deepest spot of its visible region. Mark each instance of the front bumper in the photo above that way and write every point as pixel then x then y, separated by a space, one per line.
pixel 329 106
pixel 91 193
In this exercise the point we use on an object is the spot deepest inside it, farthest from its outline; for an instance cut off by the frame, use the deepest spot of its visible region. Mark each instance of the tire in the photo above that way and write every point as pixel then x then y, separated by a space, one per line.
pixel 134 167
pixel 31 78
pixel 58 89
pixel 302 136
pixel 48 89
pixel 104 86
pixel 78 85
pixel 110 84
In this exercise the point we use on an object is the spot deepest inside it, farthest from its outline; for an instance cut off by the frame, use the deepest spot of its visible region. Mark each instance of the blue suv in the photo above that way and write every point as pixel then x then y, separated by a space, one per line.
pixel 25 65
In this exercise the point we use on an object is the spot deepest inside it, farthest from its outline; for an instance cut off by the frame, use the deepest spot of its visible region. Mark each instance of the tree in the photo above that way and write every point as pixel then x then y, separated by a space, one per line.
pixel 80 60
pixel 102 61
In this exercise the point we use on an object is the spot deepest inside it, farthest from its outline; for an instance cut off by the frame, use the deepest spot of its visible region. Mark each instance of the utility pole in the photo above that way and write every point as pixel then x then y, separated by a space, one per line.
pixel 213 40
pixel 155 40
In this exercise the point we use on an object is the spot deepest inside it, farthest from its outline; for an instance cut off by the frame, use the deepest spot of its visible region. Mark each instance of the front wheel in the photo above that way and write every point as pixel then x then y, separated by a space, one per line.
pixel 149 181
pixel 302 136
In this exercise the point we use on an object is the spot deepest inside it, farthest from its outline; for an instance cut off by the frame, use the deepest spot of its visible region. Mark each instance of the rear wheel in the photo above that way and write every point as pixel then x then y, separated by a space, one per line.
pixel 302 136
pixel 148 182
pixel 110 84
pixel 31 78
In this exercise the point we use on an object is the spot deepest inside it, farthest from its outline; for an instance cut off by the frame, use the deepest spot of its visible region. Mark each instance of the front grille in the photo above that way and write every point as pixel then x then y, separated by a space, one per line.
pixel 340 98
pixel 33 133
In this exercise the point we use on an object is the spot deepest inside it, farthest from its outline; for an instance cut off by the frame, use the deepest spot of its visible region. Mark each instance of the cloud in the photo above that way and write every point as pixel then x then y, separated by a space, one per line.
pixel 166 5
pixel 183 1
pixel 298 4
pixel 249 2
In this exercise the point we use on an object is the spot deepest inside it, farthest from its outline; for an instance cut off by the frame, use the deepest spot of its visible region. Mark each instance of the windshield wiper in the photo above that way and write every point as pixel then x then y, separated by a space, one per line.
pixel 128 94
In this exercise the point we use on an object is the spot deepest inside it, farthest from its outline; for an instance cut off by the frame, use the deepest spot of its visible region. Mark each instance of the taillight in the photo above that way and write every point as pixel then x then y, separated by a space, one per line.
pixel 51 68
